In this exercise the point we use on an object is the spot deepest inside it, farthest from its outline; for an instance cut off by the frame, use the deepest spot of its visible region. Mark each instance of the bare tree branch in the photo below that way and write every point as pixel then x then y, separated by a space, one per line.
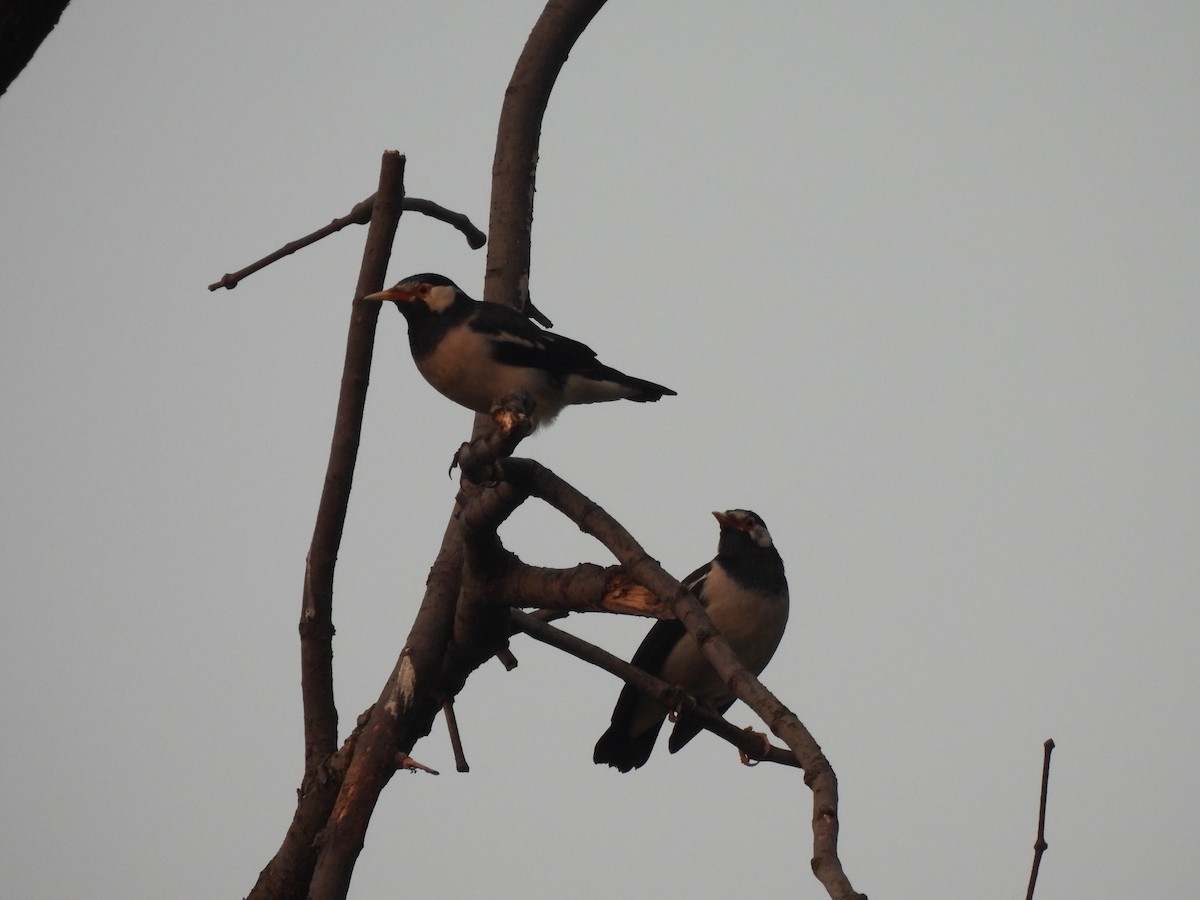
pixel 475 237
pixel 1040 846
pixel 316 618
pixel 582 588
pixel 460 758
pixel 24 25
pixel 359 215
pixel 463 617
pixel 410 699
pixel 294 862
pixel 515 165
pixel 819 776
pixel 667 694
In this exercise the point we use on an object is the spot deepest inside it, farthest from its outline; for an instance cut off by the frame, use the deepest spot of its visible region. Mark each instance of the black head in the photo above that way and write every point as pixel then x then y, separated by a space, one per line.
pixel 427 292
pixel 742 526
pixel 747 552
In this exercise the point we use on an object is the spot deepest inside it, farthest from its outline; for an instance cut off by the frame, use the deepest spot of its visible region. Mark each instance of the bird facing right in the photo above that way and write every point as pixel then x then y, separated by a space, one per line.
pixel 744 591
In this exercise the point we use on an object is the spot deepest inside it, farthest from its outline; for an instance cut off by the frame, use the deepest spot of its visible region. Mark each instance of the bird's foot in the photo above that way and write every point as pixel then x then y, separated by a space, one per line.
pixel 478 460
pixel 746 758
pixel 512 412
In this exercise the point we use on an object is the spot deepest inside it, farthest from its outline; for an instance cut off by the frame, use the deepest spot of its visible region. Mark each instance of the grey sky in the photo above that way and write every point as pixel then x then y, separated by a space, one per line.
pixel 926 281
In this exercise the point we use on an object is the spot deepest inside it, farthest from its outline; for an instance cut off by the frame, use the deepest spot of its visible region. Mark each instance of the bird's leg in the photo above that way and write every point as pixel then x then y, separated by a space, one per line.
pixel 477 458
pixel 683 702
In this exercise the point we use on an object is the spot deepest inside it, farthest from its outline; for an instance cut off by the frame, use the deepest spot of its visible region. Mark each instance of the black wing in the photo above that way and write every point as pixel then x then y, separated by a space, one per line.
pixel 518 342
pixel 687 727
pixel 618 746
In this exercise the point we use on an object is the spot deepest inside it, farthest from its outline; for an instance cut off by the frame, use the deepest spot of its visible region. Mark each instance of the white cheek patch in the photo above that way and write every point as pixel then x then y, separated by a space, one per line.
pixel 440 297
pixel 761 536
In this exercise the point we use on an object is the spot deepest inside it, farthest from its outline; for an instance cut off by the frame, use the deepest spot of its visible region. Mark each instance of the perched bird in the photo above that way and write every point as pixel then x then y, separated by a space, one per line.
pixel 475 353
pixel 745 593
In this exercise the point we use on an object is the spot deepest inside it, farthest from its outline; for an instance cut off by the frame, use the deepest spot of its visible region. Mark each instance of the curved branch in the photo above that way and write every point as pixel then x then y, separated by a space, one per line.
pixel 818 774
pixel 520 130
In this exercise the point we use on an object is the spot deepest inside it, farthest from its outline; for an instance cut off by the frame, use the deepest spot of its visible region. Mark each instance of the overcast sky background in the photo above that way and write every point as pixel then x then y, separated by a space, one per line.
pixel 926 280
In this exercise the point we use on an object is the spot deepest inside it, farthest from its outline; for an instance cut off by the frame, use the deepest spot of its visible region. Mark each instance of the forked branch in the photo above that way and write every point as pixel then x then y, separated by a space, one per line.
pixel 538 481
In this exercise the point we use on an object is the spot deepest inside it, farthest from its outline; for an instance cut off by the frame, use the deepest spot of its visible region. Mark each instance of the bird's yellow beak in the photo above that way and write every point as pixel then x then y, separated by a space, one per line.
pixel 393 293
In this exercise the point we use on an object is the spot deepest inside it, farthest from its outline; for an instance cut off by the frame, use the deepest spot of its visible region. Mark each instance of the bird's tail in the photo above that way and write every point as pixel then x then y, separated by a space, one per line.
pixel 619 747
pixel 623 751
pixel 602 383
pixel 645 391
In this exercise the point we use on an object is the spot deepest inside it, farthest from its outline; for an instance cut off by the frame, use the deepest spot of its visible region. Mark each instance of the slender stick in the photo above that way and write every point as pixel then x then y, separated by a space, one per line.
pixel 460 758
pixel 1040 845
pixel 359 215
pixel 289 871
pixel 316 617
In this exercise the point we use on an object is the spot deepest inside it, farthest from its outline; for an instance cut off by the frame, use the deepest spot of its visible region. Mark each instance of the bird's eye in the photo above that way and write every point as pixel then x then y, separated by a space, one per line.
pixel 422 290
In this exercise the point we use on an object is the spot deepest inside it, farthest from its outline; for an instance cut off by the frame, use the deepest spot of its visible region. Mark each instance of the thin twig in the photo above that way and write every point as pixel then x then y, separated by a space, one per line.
pixel 1040 845
pixel 406 762
pixel 460 758
pixel 475 237
pixel 359 215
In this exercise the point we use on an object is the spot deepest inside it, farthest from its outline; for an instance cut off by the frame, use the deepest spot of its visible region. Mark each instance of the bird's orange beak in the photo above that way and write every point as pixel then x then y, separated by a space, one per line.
pixel 392 293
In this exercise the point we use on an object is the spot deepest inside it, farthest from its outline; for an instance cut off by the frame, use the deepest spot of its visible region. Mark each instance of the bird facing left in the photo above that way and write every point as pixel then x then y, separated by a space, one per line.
pixel 477 352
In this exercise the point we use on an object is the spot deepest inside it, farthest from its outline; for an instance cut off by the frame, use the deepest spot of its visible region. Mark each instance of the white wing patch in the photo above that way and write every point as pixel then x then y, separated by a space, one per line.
pixel 508 337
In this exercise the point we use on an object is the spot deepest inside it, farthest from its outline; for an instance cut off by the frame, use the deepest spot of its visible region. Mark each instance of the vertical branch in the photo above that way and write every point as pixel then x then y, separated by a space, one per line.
pixel 520 130
pixel 407 703
pixel 1040 845
pixel 316 616
pixel 403 714
pixel 289 871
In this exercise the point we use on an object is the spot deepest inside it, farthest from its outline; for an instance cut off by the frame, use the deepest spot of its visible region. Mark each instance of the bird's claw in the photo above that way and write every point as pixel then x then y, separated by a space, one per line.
pixel 746 758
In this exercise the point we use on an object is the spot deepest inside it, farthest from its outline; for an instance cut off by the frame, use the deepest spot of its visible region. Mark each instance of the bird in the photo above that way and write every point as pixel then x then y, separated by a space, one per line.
pixel 476 352
pixel 744 590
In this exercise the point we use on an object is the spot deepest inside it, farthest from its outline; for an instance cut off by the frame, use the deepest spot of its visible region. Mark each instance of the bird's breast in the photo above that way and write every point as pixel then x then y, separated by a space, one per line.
pixel 461 367
pixel 751 621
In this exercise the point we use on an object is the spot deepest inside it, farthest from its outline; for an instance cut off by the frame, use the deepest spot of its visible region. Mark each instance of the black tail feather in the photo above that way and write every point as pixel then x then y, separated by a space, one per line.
pixel 618 747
